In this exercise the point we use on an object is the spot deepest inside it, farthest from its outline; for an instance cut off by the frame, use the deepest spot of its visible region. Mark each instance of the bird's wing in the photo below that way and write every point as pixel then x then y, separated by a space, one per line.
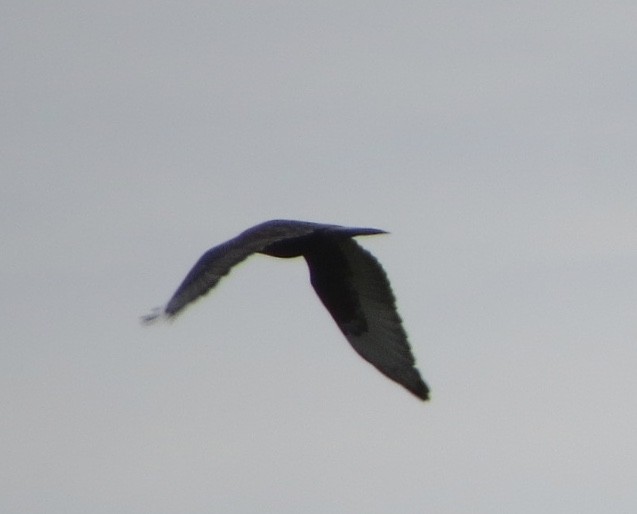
pixel 218 261
pixel 354 288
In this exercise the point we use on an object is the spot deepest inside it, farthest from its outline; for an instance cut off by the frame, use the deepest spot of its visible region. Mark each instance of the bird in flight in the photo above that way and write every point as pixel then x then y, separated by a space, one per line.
pixel 350 282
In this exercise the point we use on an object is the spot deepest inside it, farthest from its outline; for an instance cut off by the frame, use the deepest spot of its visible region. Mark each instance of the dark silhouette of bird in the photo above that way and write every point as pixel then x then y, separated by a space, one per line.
pixel 350 282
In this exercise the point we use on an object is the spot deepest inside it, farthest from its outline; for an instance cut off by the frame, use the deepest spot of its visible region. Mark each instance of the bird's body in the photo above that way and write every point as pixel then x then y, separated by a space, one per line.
pixel 349 281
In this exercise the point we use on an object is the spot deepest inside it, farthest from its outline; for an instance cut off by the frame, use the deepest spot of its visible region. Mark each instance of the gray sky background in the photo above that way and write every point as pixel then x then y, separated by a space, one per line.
pixel 494 140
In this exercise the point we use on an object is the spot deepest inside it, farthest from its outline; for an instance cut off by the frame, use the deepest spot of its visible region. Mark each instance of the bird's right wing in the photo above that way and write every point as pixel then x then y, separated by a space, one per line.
pixel 218 261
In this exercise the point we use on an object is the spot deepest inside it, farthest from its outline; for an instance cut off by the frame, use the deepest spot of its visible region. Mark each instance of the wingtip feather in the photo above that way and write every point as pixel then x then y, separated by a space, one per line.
pixel 154 316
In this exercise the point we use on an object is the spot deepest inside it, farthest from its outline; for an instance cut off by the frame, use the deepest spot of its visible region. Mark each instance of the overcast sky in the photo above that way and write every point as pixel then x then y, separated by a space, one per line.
pixel 495 141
